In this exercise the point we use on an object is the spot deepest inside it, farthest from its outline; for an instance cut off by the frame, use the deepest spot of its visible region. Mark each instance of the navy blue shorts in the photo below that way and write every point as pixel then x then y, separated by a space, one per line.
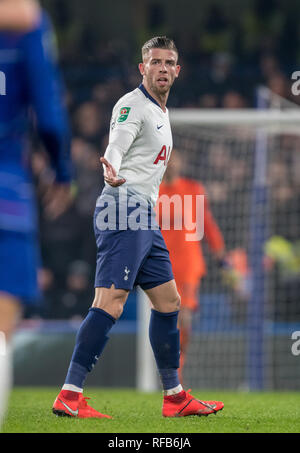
pixel 19 262
pixel 127 258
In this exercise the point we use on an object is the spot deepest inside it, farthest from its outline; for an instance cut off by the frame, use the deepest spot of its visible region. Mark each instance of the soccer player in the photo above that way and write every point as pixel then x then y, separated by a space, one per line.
pixel 31 82
pixel 188 277
pixel 139 146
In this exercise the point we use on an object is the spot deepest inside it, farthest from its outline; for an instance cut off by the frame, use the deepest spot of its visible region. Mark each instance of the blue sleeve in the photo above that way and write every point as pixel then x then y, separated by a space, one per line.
pixel 46 95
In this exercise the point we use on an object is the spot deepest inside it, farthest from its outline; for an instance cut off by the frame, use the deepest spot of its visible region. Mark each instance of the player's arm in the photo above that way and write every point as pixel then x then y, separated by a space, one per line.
pixel 46 95
pixel 122 134
pixel 18 15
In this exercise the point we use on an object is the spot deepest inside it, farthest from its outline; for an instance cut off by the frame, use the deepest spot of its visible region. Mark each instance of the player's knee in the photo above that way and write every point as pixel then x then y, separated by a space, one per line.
pixel 114 308
pixel 111 302
pixel 175 303
pixel 117 308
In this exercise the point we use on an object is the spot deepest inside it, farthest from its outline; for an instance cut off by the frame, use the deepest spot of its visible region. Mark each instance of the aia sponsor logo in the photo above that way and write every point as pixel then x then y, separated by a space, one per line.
pixel 163 155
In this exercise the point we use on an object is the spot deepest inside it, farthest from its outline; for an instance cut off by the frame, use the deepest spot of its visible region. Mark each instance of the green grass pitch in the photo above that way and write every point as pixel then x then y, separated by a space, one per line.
pixel 29 411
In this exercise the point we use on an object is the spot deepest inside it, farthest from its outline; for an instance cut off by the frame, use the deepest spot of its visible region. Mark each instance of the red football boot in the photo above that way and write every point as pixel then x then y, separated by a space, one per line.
pixel 75 407
pixel 184 404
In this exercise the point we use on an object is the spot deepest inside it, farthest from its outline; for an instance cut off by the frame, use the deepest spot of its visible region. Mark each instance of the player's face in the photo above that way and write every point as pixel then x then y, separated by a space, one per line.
pixel 159 70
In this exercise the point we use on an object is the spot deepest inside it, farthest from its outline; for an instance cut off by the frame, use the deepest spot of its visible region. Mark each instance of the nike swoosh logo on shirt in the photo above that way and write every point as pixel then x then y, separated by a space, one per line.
pixel 159 127
pixel 75 413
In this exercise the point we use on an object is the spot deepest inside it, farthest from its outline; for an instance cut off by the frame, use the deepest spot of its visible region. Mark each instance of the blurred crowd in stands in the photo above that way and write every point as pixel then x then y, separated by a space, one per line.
pixel 223 62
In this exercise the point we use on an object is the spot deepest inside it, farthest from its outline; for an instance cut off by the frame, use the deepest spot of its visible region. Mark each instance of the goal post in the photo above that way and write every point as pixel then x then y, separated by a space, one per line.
pixel 247 161
pixel 258 236
pixel 146 374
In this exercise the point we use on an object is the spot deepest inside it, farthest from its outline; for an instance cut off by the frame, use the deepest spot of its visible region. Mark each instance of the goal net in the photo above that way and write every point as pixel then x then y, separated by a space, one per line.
pixel 249 164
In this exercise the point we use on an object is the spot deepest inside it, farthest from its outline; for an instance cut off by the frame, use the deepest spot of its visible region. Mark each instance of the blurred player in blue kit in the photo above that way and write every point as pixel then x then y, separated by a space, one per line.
pixel 30 83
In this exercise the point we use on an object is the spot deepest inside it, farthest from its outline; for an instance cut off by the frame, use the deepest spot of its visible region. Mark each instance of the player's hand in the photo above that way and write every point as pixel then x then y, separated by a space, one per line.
pixel 230 278
pixel 19 15
pixel 110 174
pixel 57 200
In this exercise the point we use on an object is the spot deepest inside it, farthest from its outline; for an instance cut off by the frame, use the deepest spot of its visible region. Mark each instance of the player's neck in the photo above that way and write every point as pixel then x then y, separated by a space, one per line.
pixel 161 99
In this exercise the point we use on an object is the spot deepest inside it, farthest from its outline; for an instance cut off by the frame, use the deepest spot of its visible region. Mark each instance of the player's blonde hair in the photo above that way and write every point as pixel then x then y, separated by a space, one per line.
pixel 158 42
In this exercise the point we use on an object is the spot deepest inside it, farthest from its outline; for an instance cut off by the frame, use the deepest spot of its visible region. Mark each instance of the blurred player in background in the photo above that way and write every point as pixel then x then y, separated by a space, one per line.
pixel 139 146
pixel 32 84
pixel 186 256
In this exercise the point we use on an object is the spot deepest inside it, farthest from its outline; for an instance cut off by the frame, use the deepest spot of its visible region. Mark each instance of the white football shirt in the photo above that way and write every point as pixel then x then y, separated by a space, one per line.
pixel 140 143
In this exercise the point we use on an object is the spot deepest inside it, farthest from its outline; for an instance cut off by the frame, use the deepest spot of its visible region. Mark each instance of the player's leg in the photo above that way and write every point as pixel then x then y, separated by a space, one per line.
pixel 118 261
pixel 110 300
pixel 92 335
pixel 116 258
pixel 91 339
pixel 10 313
pixel 164 334
pixel 19 257
pixel 156 279
pixel 164 338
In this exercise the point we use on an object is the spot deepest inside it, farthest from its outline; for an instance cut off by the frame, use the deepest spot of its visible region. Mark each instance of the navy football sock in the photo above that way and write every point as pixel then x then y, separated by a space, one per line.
pixel 165 342
pixel 90 342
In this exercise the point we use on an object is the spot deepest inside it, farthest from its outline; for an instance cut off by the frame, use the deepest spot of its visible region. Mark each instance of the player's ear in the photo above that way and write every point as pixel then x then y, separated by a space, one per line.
pixel 142 68
pixel 178 68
